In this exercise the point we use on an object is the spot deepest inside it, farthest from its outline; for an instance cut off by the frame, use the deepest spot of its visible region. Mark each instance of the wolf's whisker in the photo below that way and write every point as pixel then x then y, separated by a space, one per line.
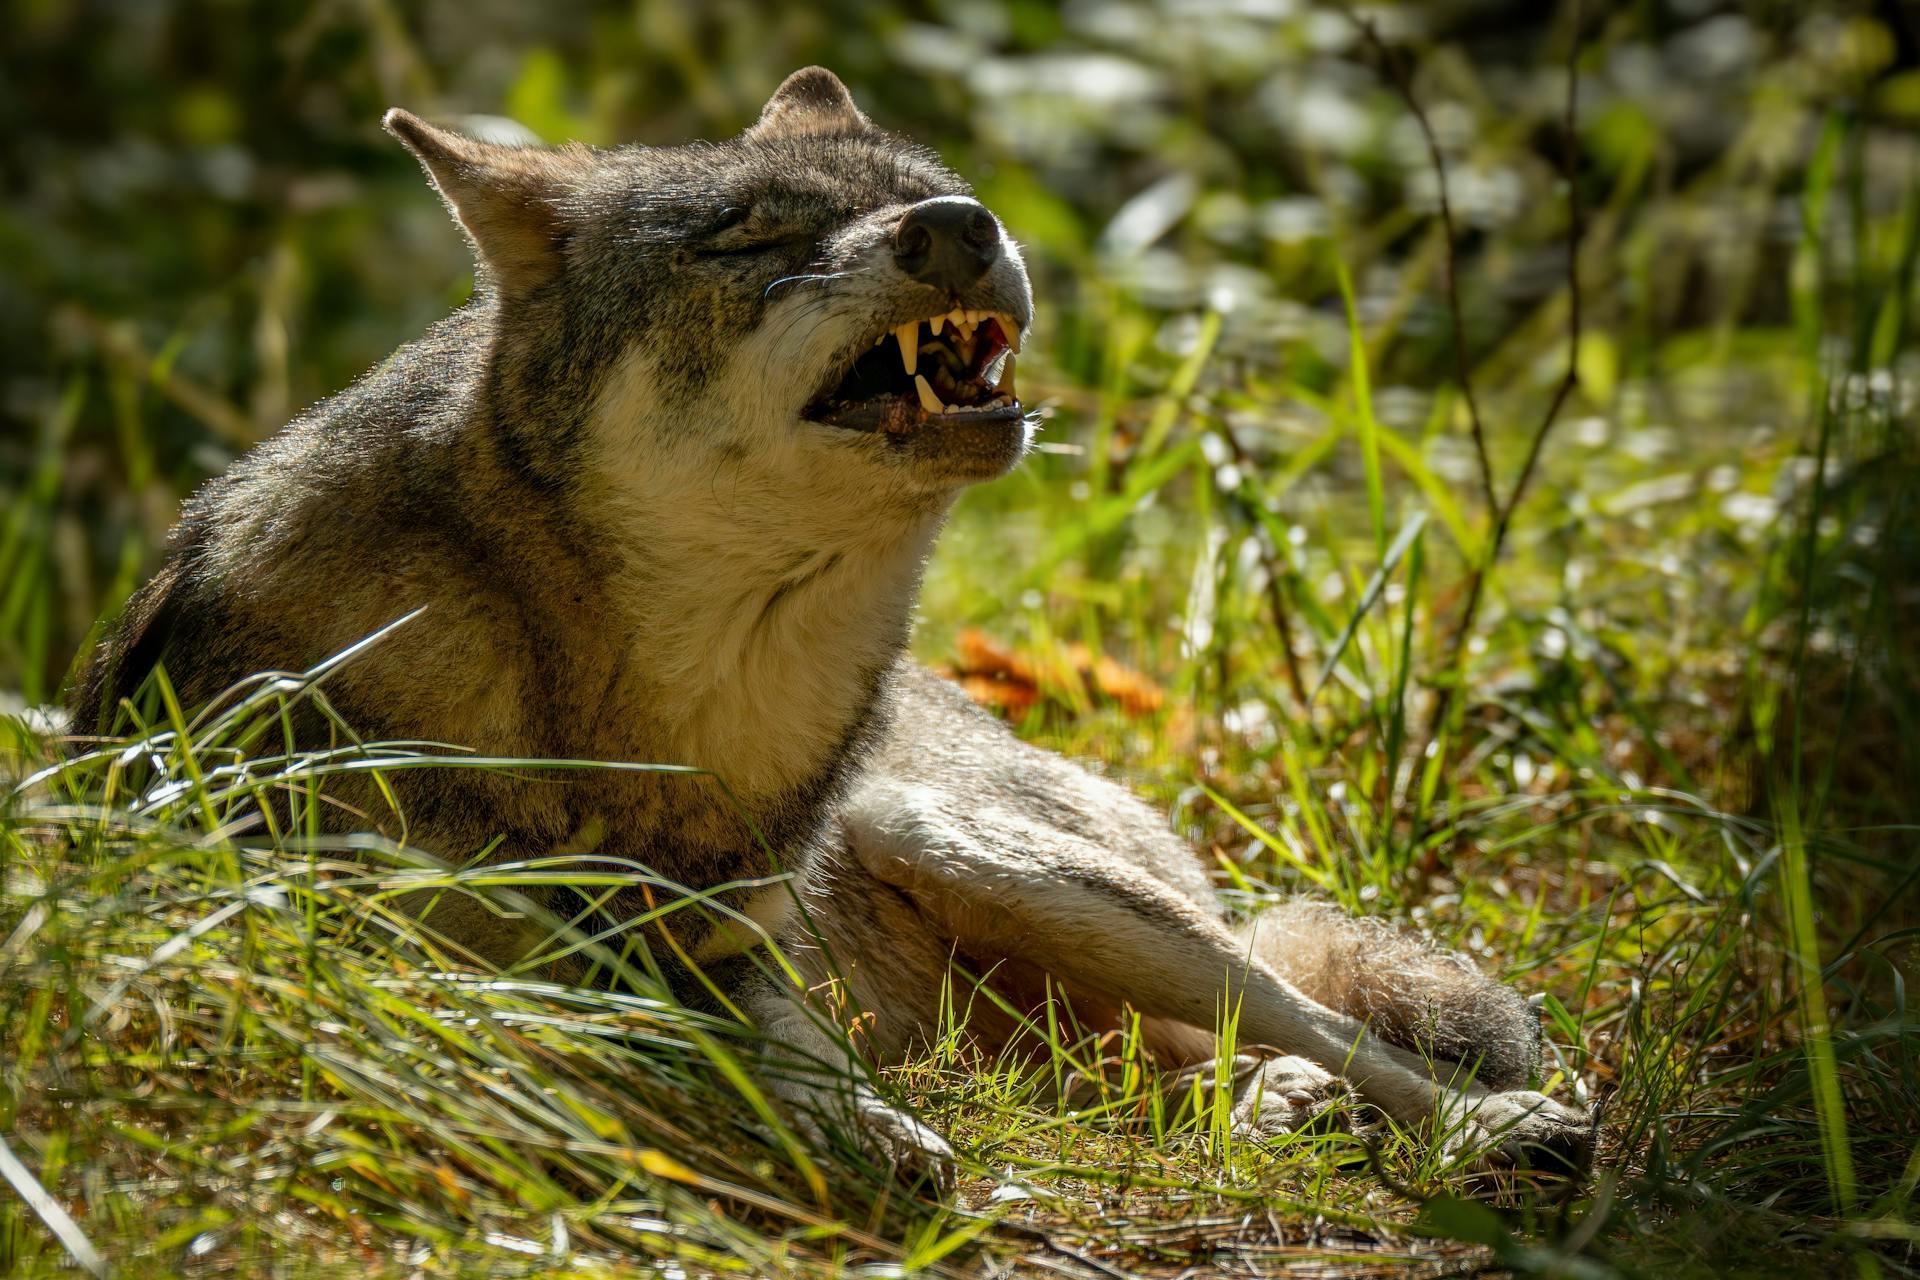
pixel 832 275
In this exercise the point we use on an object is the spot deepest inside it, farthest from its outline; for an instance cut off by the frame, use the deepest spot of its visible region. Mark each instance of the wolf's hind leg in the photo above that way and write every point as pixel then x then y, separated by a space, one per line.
pixel 1409 992
pixel 997 877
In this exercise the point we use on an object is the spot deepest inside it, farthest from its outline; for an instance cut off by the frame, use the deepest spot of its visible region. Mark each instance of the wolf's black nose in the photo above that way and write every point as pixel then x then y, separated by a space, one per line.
pixel 947 242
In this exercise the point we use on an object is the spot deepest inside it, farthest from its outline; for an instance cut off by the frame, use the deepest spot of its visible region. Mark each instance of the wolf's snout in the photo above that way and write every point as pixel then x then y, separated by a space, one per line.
pixel 947 242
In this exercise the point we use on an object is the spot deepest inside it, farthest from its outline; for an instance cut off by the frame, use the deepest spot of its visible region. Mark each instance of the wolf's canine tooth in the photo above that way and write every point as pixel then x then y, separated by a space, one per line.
pixel 908 336
pixel 940 362
pixel 928 401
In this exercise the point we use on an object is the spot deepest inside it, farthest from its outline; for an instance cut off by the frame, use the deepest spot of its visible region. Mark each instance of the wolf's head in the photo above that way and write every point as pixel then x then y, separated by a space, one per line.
pixel 814 312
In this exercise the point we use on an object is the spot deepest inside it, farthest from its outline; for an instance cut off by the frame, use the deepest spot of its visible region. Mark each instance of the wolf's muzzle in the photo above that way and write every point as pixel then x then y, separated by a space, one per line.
pixel 947 242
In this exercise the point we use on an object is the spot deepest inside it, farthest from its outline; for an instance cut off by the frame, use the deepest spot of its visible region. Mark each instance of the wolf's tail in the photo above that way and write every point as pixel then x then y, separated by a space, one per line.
pixel 1412 993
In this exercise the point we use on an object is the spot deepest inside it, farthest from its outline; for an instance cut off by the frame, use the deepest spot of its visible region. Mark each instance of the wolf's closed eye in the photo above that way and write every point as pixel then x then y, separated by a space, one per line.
pixel 744 229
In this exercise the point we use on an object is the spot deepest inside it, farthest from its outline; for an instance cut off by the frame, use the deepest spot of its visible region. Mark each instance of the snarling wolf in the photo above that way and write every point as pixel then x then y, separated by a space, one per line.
pixel 663 491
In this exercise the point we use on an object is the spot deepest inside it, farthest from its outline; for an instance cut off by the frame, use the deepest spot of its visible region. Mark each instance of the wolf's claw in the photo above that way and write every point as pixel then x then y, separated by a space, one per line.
pixel 1279 1095
pixel 893 1138
pixel 1521 1129
pixel 885 1135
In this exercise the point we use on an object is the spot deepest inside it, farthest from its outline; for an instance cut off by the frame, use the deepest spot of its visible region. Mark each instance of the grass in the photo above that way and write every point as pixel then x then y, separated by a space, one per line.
pixel 1666 777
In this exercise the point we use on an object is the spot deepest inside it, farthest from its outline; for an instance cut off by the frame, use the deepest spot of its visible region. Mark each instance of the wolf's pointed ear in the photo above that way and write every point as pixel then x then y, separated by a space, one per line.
pixel 505 198
pixel 810 101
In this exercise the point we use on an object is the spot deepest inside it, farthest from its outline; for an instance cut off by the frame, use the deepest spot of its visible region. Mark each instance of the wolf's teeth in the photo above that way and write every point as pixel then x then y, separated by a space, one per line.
pixel 935 323
pixel 1006 377
pixel 928 401
pixel 1011 328
pixel 908 336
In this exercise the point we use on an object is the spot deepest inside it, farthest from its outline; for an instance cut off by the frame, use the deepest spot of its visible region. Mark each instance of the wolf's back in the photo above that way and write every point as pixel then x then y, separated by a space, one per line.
pixel 265 559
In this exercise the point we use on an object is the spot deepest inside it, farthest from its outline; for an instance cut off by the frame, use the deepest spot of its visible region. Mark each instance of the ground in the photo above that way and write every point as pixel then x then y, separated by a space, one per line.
pixel 1640 740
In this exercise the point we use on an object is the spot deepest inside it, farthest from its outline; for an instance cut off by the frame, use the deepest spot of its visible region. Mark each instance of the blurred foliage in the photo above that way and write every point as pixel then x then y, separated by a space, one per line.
pixel 205 230
pixel 1681 793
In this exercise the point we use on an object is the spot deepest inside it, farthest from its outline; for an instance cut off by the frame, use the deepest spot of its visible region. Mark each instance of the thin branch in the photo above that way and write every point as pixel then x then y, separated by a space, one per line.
pixel 1403 81
pixel 1501 512
pixel 1277 602
pixel 1569 159
pixel 1278 572
pixel 1569 163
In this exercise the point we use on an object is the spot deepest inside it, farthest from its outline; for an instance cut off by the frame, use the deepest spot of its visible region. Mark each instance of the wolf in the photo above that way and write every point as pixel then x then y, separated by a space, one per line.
pixel 662 491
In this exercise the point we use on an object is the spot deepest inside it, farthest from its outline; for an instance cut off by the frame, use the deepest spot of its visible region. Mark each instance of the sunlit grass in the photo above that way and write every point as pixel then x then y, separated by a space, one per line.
pixel 1675 796
pixel 226 1046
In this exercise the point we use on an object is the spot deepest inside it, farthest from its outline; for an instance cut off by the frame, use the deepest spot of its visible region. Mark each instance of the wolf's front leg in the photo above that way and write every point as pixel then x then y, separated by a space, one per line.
pixel 874 972
pixel 1271 1094
pixel 1007 881
pixel 824 1086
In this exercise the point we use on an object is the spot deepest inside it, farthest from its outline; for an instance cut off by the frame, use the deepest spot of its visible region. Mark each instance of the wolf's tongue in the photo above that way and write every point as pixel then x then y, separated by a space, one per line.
pixel 993 339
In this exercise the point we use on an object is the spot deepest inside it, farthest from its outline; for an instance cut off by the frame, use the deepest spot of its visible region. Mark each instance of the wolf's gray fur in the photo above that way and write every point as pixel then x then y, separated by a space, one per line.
pixel 611 481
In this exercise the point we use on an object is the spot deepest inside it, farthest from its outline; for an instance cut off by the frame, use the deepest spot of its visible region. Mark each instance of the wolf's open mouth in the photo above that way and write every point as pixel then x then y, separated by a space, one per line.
pixel 955 365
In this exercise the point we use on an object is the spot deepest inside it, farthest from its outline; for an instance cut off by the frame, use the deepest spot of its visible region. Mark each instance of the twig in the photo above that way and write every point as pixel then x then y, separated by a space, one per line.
pixel 1503 513
pixel 1403 81
pixel 1045 1240
pixel 1277 572
pixel 1277 602
pixel 1500 512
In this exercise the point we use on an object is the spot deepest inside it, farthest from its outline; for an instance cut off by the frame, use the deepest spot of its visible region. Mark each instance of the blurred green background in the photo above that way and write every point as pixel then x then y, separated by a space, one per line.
pixel 204 229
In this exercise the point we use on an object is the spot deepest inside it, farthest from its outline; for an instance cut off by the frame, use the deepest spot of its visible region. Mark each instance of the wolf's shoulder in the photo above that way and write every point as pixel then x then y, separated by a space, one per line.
pixel 413 402
pixel 360 511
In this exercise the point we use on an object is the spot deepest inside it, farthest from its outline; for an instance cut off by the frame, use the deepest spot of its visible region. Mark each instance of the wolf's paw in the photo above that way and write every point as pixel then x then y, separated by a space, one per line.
pixel 1279 1095
pixel 1521 1129
pixel 886 1135
pixel 895 1139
